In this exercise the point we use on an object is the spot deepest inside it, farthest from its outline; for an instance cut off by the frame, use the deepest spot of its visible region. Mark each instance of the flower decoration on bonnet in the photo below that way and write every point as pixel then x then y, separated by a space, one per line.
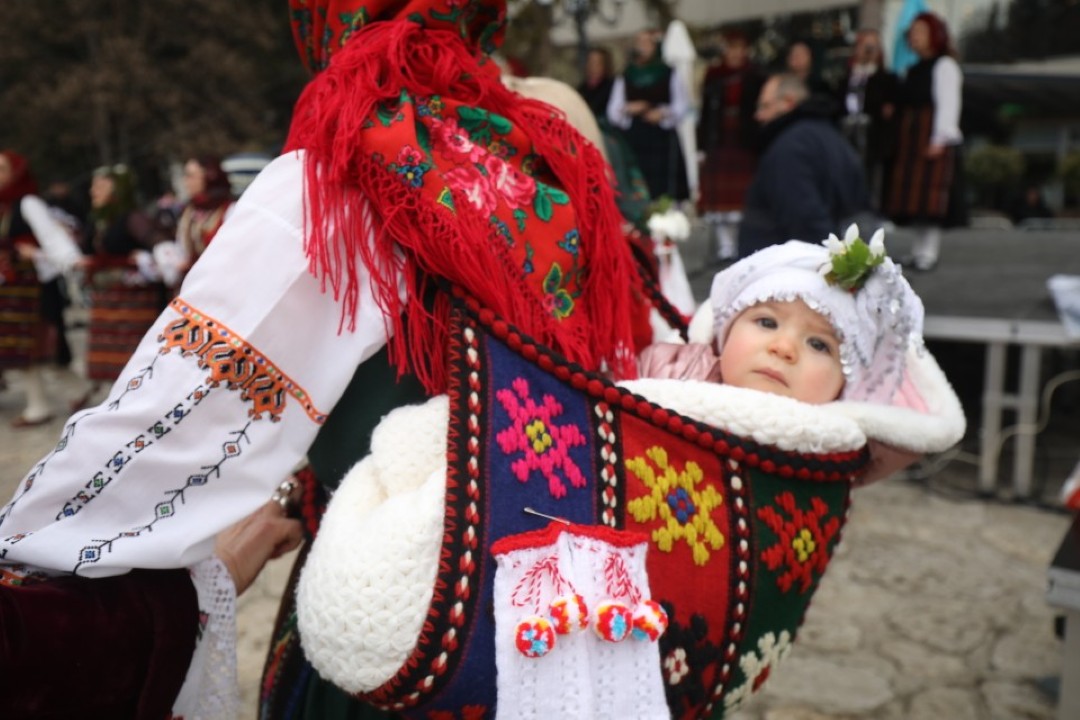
pixel 853 284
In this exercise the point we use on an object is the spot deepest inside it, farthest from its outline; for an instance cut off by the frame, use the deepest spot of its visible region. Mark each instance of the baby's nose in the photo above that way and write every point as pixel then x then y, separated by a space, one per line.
pixel 783 346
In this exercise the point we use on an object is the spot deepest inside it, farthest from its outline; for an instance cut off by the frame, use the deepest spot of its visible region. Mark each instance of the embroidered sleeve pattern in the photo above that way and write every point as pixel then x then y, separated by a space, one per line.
pixel 95 484
pixel 120 459
pixel 230 449
pixel 230 359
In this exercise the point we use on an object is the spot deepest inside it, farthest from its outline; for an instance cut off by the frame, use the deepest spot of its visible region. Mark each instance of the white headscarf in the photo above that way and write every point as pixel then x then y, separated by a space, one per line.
pixel 876 323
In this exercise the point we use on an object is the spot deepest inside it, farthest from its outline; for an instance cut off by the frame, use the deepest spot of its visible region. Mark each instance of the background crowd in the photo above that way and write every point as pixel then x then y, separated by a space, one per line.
pixel 784 149
pixel 120 259
pixel 779 150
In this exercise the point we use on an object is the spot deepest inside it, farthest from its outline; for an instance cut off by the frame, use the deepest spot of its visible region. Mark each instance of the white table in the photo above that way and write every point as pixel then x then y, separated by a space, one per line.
pixel 1032 336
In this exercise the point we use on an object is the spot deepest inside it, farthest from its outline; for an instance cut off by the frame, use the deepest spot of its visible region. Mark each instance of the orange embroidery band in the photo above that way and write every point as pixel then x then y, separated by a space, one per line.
pixel 230 359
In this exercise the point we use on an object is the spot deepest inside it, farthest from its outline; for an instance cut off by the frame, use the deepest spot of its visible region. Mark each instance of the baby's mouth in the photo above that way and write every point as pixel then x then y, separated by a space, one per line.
pixel 772 375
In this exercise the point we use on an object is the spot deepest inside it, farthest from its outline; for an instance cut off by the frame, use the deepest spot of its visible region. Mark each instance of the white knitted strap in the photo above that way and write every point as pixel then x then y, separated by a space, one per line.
pixel 582 675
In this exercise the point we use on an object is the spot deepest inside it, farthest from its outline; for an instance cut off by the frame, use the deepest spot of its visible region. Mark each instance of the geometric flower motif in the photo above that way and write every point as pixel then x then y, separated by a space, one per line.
pixel 675 498
pixel 686 655
pixel 675 666
pixel 545 445
pixel 758 666
pixel 232 363
pixel 802 542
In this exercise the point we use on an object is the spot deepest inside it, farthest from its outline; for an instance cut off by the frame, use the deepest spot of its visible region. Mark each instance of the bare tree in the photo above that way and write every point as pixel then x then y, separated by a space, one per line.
pixel 87 82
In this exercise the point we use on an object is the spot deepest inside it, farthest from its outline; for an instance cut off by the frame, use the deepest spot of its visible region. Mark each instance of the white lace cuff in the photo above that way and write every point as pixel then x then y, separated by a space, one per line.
pixel 211 690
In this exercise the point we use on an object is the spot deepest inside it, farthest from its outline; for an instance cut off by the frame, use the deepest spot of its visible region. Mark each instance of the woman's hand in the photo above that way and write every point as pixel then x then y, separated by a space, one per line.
pixel 263 535
pixel 26 251
pixel 655 116
pixel 884 461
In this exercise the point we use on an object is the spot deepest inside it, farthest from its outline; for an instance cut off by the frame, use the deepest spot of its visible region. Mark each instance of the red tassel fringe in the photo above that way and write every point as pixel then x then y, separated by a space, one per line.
pixel 418 242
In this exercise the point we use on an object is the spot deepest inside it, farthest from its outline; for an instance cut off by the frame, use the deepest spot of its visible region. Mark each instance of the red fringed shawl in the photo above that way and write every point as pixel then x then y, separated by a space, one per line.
pixel 467 182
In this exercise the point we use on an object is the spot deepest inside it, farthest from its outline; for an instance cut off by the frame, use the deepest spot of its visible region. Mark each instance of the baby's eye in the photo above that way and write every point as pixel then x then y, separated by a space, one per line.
pixel 819 345
pixel 766 322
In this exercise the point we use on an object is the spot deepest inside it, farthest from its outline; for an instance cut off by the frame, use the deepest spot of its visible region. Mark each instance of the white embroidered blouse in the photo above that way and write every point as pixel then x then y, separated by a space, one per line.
pixel 58 252
pixel 674 112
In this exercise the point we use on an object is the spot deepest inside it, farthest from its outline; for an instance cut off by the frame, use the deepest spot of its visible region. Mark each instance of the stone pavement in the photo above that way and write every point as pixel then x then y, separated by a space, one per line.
pixel 933 608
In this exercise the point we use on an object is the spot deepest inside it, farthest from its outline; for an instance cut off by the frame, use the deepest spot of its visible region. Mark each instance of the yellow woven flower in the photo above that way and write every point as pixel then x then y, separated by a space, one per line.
pixel 677 501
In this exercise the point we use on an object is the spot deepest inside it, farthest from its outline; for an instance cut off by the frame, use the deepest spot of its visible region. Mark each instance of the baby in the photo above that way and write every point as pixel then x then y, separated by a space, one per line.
pixel 815 323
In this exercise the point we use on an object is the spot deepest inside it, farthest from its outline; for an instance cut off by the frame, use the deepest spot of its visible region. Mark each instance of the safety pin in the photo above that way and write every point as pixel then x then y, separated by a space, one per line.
pixel 549 517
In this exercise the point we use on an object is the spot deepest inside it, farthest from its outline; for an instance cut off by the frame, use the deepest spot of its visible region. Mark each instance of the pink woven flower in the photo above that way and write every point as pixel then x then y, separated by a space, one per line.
pixel 545 445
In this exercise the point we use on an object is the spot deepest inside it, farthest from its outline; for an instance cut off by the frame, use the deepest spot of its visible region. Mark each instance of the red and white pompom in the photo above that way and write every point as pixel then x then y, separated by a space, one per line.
pixel 650 620
pixel 534 636
pixel 569 613
pixel 613 621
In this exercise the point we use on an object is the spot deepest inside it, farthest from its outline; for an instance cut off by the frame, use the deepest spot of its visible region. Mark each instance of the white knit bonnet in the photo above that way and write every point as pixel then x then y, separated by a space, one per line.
pixel 876 323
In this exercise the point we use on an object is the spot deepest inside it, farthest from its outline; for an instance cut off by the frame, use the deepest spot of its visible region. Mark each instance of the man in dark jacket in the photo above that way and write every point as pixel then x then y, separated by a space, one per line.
pixel 809 179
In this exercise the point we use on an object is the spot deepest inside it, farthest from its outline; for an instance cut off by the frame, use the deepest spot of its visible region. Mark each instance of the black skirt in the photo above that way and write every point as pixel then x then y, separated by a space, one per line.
pixel 920 190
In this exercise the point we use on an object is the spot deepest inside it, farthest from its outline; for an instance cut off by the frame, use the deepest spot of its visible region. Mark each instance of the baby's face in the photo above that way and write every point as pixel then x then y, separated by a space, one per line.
pixel 784 348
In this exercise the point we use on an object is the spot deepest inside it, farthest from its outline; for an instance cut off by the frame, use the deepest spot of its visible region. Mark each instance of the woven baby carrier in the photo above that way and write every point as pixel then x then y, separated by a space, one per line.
pixel 738 533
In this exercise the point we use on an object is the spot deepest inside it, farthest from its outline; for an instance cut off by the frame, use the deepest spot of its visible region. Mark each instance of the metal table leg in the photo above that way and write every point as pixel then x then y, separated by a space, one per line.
pixel 1027 405
pixel 1069 699
pixel 992 405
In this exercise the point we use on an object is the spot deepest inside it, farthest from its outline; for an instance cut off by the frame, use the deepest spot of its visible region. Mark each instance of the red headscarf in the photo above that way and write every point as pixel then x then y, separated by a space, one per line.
pixel 940 43
pixel 216 188
pixel 22 180
pixel 467 181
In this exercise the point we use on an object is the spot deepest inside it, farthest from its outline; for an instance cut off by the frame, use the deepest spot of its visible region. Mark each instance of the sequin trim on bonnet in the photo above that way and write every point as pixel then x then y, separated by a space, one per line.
pixel 877 320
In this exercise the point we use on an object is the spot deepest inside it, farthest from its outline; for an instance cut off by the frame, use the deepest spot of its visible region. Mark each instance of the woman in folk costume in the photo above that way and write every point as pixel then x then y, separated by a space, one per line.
pixel 925 186
pixel 319 307
pixel 726 135
pixel 210 201
pixel 647 103
pixel 35 251
pixel 125 298
pixel 867 98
